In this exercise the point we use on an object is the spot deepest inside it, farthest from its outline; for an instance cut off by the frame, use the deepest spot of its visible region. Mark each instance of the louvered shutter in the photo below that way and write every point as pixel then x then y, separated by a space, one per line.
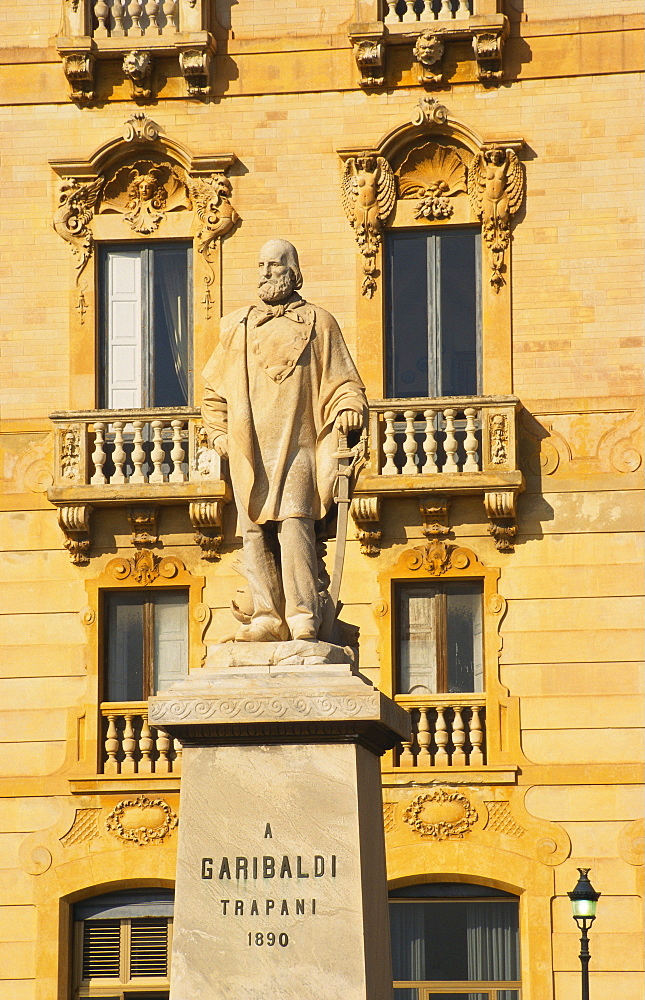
pixel 170 638
pixel 101 949
pixel 125 330
pixel 148 948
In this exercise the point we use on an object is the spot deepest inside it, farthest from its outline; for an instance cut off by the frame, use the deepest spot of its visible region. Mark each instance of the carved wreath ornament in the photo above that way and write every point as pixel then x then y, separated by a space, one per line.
pixel 141 820
pixel 441 814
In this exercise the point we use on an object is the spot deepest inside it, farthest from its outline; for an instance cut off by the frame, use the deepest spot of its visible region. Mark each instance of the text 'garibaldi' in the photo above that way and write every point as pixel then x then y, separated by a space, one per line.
pixel 278 385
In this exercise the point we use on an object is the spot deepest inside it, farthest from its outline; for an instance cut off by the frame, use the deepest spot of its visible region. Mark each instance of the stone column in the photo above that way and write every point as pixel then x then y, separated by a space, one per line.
pixel 281 883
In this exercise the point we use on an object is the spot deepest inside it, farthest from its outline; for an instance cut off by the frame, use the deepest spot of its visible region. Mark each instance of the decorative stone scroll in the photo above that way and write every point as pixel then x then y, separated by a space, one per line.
pixel 142 820
pixel 79 70
pixel 366 512
pixel 145 567
pixel 369 53
pixel 76 206
pixel 206 518
pixel 437 557
pixel 369 194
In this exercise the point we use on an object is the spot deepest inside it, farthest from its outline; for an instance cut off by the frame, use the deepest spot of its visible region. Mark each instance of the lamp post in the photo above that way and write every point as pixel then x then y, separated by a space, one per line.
pixel 583 903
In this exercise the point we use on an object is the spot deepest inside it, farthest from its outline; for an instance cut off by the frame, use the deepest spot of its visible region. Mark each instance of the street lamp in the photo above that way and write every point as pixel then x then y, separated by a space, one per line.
pixel 583 903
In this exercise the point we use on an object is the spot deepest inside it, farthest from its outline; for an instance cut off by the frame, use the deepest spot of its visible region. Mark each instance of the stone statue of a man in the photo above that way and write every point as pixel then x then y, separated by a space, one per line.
pixel 278 386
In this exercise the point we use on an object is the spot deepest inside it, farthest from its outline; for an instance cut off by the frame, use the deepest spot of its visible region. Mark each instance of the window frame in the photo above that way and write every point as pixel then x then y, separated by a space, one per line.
pixel 147 250
pixel 433 236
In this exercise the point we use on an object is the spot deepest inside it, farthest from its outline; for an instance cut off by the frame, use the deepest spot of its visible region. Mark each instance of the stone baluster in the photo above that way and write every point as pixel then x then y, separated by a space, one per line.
pixel 476 738
pixel 406 758
pixel 98 455
pixel 156 476
pixel 118 456
pixel 445 13
pixel 430 443
pixel 470 444
pixel 170 10
pixel 102 15
pixel 389 446
pixel 152 11
pixel 462 10
pixel 441 739
pixel 111 765
pixel 118 13
pixel 409 445
pixel 410 14
pixel 450 444
pixel 135 10
pixel 391 17
pixel 129 744
pixel 146 744
pixel 163 753
pixel 176 748
pixel 458 739
pixel 138 454
pixel 424 738
pixel 427 14
pixel 177 454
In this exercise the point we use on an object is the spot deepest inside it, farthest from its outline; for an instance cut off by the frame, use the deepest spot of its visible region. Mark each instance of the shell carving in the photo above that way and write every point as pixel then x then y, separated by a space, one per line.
pixel 434 175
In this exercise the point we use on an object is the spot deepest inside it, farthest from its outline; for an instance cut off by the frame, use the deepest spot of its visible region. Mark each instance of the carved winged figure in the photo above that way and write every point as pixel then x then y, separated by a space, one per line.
pixel 76 201
pixel 496 188
pixel 369 194
pixel 214 209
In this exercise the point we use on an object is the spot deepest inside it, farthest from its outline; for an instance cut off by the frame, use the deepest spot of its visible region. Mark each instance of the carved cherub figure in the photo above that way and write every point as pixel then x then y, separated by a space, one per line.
pixel 146 200
pixel 495 183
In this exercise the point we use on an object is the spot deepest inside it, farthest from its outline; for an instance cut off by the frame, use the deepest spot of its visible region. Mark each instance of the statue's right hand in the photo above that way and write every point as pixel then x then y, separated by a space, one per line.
pixel 220 444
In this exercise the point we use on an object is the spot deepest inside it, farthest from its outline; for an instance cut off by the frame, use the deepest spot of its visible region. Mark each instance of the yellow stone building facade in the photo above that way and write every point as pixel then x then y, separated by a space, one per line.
pixel 366 133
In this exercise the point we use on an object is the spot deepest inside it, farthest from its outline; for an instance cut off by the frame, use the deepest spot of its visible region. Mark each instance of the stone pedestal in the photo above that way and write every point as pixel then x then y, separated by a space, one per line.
pixel 281 885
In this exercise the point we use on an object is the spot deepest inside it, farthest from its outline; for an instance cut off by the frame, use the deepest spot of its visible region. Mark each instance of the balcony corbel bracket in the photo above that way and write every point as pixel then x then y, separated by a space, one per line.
pixel 79 69
pixel 488 47
pixel 206 518
pixel 369 53
pixel 143 524
pixel 428 53
pixel 366 513
pixel 195 67
pixel 74 521
pixel 500 510
pixel 435 517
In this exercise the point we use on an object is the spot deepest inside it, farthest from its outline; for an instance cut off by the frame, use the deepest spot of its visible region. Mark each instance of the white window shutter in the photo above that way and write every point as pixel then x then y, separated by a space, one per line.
pixel 124 330
pixel 170 639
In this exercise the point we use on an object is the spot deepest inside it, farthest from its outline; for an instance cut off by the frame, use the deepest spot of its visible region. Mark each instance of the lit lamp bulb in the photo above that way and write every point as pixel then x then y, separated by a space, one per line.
pixel 584 899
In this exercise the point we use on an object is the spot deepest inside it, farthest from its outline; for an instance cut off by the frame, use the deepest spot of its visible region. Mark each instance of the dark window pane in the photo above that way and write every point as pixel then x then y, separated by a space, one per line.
pixel 170 328
pixel 407 311
pixel 406 994
pixel 124 646
pixel 464 637
pixel 459 321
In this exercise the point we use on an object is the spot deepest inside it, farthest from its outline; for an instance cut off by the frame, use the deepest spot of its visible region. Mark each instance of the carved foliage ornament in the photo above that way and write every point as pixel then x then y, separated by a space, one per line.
pixel 76 205
pixel 441 814
pixel 369 194
pixel 145 567
pixel 142 820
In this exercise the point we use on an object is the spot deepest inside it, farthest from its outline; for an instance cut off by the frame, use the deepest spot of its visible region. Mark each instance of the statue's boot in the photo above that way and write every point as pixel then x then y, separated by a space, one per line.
pixel 261 630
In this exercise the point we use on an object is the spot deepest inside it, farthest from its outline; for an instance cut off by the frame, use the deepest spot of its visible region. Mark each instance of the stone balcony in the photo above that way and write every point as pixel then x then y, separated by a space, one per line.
pixel 136 34
pixel 429 26
pixel 436 449
pixel 139 459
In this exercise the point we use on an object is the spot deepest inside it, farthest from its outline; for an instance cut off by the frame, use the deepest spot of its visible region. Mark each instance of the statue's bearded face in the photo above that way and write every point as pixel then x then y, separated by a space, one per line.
pixel 274 287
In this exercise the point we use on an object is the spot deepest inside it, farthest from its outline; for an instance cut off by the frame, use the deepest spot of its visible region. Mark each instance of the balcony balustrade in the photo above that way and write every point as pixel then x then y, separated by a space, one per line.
pixel 130 746
pixel 111 458
pixel 448 730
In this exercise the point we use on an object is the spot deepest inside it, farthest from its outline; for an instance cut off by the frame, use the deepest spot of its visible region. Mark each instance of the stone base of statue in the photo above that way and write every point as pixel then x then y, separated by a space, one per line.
pixel 281 884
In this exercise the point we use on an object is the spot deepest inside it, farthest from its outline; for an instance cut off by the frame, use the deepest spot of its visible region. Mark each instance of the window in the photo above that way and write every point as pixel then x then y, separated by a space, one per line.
pixel 439 637
pixel 122 945
pixel 145 326
pixel 433 313
pixel 454 942
pixel 146 642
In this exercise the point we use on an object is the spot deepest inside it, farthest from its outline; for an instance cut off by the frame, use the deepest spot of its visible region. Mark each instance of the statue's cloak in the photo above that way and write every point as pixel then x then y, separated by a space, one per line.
pixel 275 384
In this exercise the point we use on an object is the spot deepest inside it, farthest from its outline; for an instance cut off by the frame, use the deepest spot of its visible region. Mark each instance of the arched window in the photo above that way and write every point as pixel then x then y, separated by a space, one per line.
pixel 454 941
pixel 122 945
